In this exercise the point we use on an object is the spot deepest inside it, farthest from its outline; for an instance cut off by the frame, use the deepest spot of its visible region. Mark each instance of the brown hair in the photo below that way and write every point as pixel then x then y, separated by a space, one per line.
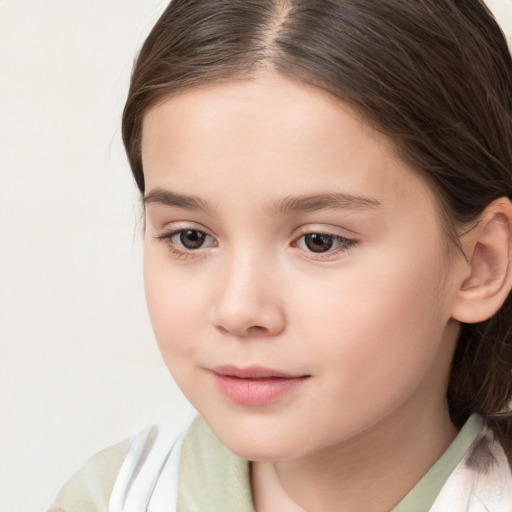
pixel 434 75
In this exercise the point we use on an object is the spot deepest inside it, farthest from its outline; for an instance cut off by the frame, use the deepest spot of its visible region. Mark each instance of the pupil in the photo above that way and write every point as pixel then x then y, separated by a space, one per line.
pixel 317 242
pixel 192 239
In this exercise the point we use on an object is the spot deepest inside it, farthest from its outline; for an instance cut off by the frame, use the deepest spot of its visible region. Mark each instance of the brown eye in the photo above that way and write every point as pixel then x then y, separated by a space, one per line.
pixel 191 238
pixel 318 242
pixel 324 243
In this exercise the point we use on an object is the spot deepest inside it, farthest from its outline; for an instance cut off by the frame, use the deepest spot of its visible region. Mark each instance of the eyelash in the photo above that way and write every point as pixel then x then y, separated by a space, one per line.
pixel 345 244
pixel 180 252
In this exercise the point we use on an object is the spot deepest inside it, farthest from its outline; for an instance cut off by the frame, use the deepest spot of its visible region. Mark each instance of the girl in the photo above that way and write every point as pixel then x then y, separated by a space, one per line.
pixel 328 259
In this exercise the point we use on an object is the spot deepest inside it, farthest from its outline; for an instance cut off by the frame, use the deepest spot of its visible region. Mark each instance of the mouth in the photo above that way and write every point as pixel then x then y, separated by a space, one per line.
pixel 253 372
pixel 255 385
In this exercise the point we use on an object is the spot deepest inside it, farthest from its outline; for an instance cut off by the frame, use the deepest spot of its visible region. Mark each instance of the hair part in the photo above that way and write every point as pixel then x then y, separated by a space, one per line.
pixel 433 75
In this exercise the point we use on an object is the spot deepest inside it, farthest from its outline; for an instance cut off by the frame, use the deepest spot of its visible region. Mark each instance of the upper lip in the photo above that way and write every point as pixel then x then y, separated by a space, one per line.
pixel 253 372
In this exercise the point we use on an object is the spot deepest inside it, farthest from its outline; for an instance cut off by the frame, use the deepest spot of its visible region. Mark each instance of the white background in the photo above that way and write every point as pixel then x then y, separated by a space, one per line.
pixel 79 369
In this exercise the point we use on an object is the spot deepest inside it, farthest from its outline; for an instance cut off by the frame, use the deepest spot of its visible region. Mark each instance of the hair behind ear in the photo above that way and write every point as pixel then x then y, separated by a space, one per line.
pixel 481 376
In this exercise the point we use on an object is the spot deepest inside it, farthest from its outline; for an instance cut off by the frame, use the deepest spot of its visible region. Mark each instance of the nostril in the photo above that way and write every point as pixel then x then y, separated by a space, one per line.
pixel 256 329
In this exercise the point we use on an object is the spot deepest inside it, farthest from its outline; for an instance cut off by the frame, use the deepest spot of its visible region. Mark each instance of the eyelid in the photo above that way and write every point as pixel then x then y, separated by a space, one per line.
pixel 181 225
pixel 323 229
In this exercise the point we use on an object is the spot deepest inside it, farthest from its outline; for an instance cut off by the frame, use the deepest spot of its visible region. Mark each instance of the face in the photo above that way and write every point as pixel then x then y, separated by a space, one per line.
pixel 295 268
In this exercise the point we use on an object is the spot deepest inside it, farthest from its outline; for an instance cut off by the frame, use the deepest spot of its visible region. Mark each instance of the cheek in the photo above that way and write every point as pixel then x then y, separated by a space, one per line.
pixel 176 306
pixel 374 321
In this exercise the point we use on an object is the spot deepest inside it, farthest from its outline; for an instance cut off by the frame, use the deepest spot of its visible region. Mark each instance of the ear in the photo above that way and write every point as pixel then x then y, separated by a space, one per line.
pixel 487 280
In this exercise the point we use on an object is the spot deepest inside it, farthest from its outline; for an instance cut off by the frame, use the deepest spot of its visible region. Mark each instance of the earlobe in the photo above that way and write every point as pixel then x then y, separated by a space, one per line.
pixel 488 281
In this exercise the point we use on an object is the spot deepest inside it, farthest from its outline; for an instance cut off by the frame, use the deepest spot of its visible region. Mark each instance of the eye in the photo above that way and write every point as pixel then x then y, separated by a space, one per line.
pixel 191 238
pixel 186 240
pixel 323 242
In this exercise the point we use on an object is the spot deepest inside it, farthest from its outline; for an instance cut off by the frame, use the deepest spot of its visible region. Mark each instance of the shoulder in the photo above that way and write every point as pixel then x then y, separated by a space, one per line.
pixel 90 488
pixel 482 481
pixel 124 475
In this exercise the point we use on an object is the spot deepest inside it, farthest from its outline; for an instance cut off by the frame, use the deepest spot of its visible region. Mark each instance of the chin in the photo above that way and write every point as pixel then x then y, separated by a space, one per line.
pixel 264 451
pixel 257 443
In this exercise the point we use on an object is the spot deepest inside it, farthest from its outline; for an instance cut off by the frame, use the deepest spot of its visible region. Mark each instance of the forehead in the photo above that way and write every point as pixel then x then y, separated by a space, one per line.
pixel 275 136
pixel 296 110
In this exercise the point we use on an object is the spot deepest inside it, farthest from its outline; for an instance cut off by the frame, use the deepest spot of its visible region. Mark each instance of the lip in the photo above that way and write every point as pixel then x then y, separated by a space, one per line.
pixel 255 385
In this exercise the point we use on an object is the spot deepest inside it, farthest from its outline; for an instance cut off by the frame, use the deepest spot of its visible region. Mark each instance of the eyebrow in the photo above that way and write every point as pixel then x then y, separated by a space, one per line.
pixel 328 201
pixel 286 205
pixel 168 198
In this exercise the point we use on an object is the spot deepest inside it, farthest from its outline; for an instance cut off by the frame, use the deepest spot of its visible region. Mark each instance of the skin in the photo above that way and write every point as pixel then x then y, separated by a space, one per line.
pixel 368 321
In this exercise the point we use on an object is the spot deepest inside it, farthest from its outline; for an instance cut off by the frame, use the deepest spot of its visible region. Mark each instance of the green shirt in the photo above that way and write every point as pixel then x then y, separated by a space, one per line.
pixel 213 479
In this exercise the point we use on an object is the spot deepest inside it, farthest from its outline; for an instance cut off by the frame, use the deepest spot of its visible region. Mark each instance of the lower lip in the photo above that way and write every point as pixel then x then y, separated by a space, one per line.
pixel 256 391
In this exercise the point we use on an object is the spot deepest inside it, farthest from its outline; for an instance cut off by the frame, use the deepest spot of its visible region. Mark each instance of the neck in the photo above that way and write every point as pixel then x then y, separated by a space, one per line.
pixel 371 472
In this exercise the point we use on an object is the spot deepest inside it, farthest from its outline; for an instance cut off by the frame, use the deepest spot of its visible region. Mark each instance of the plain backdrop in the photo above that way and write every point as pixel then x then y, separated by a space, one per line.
pixel 79 368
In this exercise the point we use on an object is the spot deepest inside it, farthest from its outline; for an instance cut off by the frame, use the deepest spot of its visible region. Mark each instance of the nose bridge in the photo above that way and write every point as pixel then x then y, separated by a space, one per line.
pixel 249 301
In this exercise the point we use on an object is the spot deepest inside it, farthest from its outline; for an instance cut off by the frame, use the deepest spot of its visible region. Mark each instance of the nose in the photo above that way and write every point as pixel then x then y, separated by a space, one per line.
pixel 249 301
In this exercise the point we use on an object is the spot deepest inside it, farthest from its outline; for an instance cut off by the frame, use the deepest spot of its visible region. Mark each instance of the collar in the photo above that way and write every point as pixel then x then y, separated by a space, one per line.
pixel 213 478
